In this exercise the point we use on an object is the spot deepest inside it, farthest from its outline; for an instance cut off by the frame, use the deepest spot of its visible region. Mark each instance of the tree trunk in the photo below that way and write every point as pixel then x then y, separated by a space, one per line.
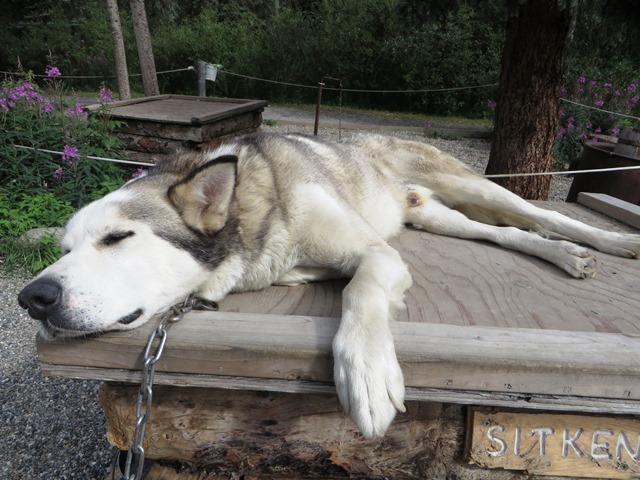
pixel 529 96
pixel 145 52
pixel 122 73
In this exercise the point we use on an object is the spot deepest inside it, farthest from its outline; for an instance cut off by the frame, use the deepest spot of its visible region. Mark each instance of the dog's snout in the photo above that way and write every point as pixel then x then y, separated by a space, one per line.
pixel 40 297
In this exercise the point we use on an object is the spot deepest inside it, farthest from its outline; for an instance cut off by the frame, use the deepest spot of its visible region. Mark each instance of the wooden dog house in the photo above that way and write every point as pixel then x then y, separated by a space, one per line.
pixel 153 127
pixel 509 365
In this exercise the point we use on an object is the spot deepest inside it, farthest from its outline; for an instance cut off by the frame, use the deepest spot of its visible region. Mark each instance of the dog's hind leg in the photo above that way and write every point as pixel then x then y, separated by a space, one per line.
pixel 368 377
pixel 300 275
pixel 484 193
pixel 427 213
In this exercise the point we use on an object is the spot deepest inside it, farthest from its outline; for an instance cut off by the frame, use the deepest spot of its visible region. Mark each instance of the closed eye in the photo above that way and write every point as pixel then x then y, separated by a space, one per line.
pixel 115 237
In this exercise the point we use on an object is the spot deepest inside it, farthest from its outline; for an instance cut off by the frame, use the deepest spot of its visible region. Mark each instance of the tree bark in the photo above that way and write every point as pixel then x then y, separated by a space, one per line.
pixel 124 92
pixel 145 51
pixel 529 96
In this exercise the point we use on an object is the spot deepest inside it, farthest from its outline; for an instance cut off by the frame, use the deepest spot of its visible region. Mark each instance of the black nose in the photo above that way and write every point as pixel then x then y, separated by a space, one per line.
pixel 40 297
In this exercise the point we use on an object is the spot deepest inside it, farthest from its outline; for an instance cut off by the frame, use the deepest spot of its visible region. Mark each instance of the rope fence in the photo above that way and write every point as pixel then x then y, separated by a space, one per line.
pixel 300 85
pixel 18 74
pixel 411 91
pixel 500 175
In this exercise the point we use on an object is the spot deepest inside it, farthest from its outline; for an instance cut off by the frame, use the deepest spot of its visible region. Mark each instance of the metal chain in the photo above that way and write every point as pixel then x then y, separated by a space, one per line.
pixel 135 455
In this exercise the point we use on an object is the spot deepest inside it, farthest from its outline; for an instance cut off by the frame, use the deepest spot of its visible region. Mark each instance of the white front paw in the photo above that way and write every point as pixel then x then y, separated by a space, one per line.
pixel 369 382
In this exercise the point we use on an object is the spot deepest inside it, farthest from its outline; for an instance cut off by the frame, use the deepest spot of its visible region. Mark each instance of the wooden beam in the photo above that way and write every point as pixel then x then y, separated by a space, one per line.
pixel 290 347
pixel 613 207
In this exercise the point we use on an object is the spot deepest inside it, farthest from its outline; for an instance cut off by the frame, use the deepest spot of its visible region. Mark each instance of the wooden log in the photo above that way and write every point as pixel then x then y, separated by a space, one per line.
pixel 290 436
pixel 196 134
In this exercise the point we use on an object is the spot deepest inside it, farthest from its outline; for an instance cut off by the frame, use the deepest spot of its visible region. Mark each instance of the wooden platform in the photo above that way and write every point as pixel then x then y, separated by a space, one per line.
pixel 483 326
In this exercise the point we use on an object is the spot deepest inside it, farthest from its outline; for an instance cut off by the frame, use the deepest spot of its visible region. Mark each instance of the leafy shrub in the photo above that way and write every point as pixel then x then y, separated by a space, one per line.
pixel 20 213
pixel 39 188
pixel 579 123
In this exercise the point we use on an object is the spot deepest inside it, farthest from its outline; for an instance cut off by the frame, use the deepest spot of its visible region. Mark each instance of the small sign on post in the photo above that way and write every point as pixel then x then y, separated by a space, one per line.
pixel 206 71
pixel 558 444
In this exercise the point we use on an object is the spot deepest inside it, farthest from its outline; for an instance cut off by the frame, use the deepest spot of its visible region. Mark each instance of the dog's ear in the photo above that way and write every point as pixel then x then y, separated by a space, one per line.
pixel 204 196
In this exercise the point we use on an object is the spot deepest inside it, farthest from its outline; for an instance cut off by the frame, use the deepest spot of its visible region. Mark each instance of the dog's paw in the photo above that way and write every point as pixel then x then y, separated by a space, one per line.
pixel 578 261
pixel 623 245
pixel 369 382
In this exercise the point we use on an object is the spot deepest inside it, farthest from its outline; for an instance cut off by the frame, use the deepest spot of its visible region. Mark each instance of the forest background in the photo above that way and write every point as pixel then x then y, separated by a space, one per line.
pixel 367 44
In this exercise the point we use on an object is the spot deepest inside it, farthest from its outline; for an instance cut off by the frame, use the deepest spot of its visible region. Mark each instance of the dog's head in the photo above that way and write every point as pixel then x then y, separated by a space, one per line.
pixel 138 250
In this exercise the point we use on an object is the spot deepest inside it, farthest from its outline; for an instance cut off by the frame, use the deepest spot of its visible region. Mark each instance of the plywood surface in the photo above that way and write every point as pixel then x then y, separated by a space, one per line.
pixel 180 109
pixel 467 283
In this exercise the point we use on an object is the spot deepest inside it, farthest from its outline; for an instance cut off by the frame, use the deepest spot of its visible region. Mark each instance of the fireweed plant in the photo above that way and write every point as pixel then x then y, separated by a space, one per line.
pixel 40 189
pixel 578 123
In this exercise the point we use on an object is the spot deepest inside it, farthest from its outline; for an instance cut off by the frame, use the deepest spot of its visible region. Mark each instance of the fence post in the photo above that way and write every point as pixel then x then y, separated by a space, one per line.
pixel 315 126
pixel 202 81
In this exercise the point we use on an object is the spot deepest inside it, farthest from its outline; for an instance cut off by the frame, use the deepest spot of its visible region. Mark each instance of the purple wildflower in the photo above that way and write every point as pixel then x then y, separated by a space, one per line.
pixel 105 95
pixel 57 175
pixel 582 79
pixel 599 103
pixel 52 72
pixel 561 132
pixel 77 110
pixel 139 172
pixel 69 154
pixel 615 131
pixel 492 104
pixel 46 107
pixel 632 87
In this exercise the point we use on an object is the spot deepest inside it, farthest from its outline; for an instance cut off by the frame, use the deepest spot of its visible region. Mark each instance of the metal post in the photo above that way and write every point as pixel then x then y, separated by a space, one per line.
pixel 202 82
pixel 315 126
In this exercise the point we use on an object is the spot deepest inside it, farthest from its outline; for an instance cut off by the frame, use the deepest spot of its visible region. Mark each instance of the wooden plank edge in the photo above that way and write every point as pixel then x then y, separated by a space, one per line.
pixel 125 103
pixel 299 336
pixel 612 207
pixel 255 107
pixel 560 403
pixel 431 355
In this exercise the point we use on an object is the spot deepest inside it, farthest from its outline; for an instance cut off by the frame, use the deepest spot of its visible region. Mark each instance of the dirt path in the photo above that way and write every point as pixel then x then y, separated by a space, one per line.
pixel 380 121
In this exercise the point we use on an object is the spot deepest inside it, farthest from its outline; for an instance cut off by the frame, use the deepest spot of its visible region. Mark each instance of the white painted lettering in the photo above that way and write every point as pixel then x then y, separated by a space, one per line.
pixel 600 447
pixel 571 442
pixel 623 441
pixel 543 432
pixel 517 438
pixel 499 441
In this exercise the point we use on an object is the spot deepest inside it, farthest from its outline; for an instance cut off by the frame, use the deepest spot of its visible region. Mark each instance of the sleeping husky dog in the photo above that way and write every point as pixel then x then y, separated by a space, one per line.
pixel 286 209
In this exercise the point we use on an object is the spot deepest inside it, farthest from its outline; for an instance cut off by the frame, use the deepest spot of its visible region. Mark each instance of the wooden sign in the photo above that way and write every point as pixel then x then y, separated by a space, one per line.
pixel 560 444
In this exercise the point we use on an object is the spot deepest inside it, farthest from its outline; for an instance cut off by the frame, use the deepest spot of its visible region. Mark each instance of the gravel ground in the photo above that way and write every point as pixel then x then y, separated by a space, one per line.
pixel 53 428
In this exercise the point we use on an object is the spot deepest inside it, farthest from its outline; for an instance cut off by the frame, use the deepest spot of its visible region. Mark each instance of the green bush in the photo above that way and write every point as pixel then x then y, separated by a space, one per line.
pixel 39 188
pixel 578 122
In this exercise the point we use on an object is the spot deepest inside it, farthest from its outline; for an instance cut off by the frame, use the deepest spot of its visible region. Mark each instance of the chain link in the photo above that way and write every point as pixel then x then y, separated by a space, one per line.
pixel 135 455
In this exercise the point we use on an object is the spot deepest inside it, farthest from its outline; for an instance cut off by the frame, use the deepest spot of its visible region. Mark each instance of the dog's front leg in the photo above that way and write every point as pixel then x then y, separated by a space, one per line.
pixel 368 378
